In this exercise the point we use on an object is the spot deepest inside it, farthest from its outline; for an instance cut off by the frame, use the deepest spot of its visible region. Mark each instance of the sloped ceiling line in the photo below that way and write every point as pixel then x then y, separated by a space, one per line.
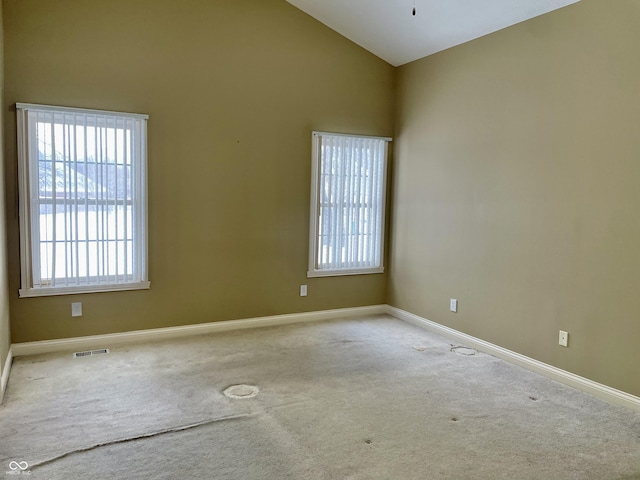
pixel 388 29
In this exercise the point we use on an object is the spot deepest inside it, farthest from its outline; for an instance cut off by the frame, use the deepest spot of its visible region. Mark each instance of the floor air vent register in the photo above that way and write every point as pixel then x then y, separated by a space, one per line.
pixel 90 353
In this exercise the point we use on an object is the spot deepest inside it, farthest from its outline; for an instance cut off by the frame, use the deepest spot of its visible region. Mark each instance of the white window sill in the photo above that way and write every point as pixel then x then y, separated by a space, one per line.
pixel 340 273
pixel 50 291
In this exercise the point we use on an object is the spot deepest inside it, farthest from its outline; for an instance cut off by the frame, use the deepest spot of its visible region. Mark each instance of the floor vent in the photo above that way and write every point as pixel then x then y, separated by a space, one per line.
pixel 90 353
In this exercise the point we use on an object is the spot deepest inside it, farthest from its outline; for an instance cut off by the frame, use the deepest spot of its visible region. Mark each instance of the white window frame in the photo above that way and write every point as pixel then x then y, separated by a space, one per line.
pixel 315 269
pixel 29 200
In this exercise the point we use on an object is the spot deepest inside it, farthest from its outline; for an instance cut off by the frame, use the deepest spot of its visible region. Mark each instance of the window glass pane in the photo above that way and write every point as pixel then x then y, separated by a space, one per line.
pixel 86 171
pixel 348 205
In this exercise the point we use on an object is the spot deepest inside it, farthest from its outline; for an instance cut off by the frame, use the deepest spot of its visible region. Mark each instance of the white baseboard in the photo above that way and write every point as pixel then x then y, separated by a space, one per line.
pixel 611 395
pixel 598 390
pixel 4 379
pixel 112 339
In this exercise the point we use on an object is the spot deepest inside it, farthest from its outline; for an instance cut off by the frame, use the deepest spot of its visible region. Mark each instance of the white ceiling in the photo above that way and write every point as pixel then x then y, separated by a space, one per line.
pixel 388 29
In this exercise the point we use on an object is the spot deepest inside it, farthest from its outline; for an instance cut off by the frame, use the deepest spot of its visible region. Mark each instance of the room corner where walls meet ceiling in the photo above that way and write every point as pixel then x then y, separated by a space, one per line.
pixel 389 30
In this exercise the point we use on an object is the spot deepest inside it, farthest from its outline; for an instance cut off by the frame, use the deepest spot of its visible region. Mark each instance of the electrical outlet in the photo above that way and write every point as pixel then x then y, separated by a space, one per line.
pixel 76 309
pixel 563 339
pixel 303 290
pixel 453 305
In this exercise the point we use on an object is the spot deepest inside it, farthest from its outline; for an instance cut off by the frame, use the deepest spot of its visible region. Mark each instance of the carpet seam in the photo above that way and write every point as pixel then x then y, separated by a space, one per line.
pixel 180 428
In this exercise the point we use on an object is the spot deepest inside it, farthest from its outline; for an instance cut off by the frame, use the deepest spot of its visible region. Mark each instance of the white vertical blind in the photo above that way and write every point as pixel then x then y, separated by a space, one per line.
pixel 347 207
pixel 83 199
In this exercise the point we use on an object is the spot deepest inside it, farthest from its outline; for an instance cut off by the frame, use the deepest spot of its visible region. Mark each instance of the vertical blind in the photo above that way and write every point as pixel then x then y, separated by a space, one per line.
pixel 85 174
pixel 349 197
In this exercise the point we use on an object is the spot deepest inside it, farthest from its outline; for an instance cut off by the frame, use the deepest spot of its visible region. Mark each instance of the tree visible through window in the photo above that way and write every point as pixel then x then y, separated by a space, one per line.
pixel 347 204
pixel 83 200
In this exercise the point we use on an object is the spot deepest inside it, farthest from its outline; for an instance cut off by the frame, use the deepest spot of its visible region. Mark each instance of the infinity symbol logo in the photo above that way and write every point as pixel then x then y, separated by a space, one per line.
pixel 13 465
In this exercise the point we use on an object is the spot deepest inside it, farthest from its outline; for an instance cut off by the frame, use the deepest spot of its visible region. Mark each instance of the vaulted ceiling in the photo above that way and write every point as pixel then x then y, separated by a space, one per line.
pixel 388 28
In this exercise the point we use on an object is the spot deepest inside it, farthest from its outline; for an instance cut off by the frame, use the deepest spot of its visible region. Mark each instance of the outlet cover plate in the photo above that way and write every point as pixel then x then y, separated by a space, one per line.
pixel 563 338
pixel 453 305
pixel 76 309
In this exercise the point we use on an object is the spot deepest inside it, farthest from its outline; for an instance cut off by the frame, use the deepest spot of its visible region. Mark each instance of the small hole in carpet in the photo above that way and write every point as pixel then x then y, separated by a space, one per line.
pixel 464 351
pixel 241 391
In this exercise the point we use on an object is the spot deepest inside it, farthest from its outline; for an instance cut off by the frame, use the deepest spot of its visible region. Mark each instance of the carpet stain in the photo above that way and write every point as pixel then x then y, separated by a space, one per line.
pixel 368 442
pixel 535 399
pixel 454 419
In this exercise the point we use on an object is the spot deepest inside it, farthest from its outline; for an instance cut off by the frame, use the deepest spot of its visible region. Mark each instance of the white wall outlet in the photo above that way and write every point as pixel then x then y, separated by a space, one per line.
pixel 453 304
pixel 563 339
pixel 303 290
pixel 76 309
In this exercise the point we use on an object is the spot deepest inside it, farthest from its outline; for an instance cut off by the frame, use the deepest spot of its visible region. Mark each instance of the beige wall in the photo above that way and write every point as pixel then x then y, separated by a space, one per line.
pixel 5 335
pixel 233 90
pixel 517 189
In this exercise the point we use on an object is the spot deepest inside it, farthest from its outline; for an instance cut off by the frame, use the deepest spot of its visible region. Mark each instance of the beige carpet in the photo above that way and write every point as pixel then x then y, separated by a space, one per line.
pixel 370 398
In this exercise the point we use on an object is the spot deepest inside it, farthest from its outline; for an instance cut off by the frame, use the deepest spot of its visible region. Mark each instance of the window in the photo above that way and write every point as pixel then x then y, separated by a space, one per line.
pixel 347 204
pixel 83 206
